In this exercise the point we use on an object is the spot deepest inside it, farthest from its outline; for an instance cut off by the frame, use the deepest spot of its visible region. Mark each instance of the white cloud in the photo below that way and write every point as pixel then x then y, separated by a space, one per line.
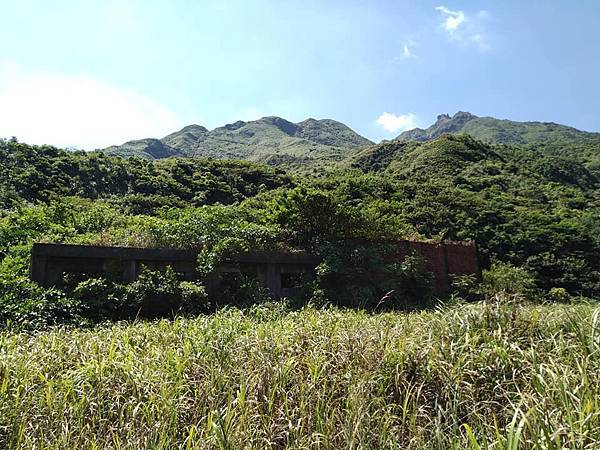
pixel 466 30
pixel 76 111
pixel 407 50
pixel 452 19
pixel 396 124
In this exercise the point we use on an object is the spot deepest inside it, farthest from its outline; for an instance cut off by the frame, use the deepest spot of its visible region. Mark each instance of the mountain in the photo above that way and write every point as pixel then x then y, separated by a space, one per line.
pixel 272 140
pixel 497 131
pixel 458 157
pixel 445 156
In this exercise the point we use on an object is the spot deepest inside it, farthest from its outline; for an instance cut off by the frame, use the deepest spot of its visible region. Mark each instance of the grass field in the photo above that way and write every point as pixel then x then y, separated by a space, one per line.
pixel 495 375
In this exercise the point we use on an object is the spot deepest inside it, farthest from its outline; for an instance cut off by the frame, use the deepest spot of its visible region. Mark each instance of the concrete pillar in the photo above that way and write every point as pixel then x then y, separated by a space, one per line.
pixel 262 274
pixel 130 271
pixel 37 269
pixel 273 281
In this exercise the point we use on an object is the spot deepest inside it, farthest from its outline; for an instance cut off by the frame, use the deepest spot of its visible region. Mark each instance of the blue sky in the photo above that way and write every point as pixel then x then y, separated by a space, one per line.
pixel 93 73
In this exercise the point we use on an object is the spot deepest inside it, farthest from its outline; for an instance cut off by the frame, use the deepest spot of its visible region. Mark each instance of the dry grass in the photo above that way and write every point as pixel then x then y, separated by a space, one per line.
pixel 499 376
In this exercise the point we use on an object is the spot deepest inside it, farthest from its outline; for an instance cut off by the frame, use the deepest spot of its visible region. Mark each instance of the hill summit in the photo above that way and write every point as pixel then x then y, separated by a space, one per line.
pixel 499 131
pixel 270 139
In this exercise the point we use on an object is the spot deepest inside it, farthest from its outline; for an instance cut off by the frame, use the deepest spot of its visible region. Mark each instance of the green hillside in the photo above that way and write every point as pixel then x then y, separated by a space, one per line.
pixel 492 130
pixel 272 140
pixel 456 155
pixel 46 174
pixel 535 209
pixel 532 209
pixel 363 356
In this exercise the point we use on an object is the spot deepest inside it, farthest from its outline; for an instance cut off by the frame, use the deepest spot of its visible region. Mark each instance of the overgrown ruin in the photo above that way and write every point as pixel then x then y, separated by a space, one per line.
pixel 275 270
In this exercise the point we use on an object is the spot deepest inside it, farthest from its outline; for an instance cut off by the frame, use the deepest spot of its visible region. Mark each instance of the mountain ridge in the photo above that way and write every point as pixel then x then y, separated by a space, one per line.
pixel 500 131
pixel 267 139
pixel 315 143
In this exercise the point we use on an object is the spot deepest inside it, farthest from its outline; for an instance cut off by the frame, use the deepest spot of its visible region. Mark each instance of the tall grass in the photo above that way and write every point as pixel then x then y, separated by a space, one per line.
pixel 494 375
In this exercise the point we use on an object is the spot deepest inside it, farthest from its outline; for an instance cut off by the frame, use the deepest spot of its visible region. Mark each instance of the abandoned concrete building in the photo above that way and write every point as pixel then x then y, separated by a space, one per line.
pixel 276 271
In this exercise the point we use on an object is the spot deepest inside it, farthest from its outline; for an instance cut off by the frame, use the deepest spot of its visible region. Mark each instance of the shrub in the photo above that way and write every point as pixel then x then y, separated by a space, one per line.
pixel 100 299
pixel 154 293
pixel 373 277
pixel 465 286
pixel 559 295
pixel 240 290
pixel 23 304
pixel 194 299
pixel 506 278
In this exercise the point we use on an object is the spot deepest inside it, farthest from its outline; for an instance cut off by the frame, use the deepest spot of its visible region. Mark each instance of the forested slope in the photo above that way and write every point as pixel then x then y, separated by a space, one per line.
pixel 34 173
pixel 534 206
pixel 534 209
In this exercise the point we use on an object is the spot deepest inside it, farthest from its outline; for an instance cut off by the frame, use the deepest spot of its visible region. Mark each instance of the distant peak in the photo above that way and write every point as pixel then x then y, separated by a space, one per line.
pixel 194 128
pixel 273 120
pixel 320 122
pixel 234 125
pixel 444 124
pixel 284 125
pixel 462 115
pixel 459 115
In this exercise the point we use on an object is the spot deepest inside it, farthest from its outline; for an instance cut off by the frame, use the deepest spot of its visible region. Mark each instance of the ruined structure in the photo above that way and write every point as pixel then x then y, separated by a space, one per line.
pixel 445 260
pixel 275 270
pixel 278 272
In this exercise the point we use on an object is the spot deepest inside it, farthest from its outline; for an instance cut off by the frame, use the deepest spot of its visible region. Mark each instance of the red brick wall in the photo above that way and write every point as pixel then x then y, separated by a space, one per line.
pixel 447 259
pixel 443 260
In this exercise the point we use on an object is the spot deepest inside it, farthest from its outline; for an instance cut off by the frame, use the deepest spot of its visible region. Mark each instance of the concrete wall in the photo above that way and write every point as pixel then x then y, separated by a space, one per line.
pixel 50 261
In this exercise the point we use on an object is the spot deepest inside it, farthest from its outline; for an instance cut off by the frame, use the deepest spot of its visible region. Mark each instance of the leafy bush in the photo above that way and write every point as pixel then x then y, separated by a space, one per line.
pixel 558 295
pixel 25 305
pixel 506 278
pixel 194 299
pixel 372 276
pixel 465 286
pixel 154 293
pixel 100 299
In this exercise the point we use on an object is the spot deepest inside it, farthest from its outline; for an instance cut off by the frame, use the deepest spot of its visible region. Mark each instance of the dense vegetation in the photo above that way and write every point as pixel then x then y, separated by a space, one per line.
pixel 43 174
pixel 364 357
pixel 533 209
pixel 496 375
